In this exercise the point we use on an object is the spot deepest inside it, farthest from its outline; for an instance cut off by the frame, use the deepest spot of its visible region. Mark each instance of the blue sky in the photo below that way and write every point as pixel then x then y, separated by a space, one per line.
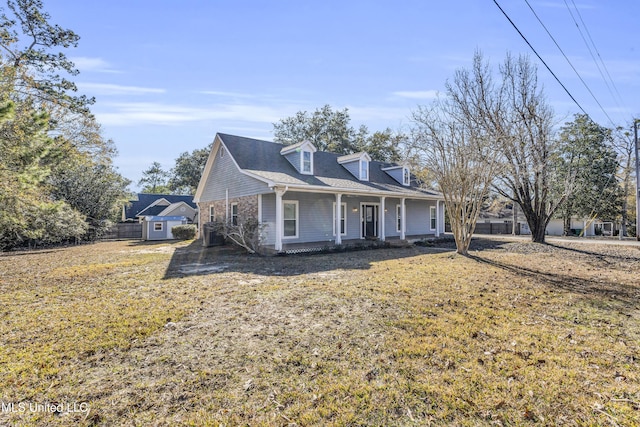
pixel 168 75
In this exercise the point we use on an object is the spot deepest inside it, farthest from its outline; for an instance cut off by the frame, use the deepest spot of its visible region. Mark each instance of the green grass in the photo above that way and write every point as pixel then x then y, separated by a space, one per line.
pixel 411 336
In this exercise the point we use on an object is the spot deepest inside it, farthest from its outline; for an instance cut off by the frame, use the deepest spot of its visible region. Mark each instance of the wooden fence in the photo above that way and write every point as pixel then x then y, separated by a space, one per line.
pixel 124 230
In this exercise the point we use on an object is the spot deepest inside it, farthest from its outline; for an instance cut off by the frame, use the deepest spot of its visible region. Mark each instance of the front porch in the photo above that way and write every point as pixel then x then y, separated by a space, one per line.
pixel 308 247
pixel 297 221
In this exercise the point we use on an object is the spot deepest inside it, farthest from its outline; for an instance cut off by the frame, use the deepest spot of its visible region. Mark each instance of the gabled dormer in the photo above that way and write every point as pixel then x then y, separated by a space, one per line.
pixel 400 173
pixel 300 156
pixel 357 164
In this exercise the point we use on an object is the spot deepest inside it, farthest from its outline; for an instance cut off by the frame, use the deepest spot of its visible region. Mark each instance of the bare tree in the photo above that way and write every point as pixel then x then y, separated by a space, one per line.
pixel 528 146
pixel 460 156
pixel 516 116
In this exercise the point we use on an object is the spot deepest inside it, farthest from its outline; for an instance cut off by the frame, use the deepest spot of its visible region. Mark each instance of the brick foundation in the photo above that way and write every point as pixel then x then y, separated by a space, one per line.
pixel 247 208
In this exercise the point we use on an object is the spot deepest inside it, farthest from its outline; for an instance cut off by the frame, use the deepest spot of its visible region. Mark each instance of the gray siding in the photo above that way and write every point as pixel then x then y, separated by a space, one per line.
pixel 396 174
pixel 353 168
pixel 188 211
pixel 156 235
pixel 418 217
pixel 294 159
pixel 315 217
pixel 390 217
pixel 225 175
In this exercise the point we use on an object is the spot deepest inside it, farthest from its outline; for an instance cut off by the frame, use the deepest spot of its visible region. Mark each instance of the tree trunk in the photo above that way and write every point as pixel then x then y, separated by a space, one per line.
pixel 538 233
pixel 567 225
pixel 537 224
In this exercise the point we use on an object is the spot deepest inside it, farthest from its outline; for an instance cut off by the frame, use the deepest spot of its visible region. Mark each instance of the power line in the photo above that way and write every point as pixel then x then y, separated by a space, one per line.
pixel 540 58
pixel 619 101
pixel 569 61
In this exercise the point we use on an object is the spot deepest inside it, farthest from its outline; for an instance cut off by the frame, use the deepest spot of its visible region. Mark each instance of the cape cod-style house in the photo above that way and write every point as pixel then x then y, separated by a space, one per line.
pixel 307 198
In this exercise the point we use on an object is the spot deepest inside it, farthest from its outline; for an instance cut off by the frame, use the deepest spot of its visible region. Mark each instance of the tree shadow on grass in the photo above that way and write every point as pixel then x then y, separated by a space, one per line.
pixel 601 257
pixel 196 260
pixel 616 293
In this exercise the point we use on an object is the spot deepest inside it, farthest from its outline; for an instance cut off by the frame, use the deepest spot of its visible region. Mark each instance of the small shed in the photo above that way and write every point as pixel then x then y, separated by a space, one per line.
pixel 159 227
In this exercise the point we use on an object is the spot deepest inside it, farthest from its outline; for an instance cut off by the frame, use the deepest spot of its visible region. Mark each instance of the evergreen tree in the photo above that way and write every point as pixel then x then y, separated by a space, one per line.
pixel 154 179
pixel 586 153
pixel 186 174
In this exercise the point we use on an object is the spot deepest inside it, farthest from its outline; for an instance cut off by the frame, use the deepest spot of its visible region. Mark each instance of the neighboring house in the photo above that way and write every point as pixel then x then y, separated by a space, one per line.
pixel 159 205
pixel 500 222
pixel 159 227
pixel 308 199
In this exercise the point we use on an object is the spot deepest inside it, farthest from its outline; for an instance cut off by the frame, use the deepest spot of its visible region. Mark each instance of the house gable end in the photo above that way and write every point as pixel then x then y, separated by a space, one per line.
pixel 222 177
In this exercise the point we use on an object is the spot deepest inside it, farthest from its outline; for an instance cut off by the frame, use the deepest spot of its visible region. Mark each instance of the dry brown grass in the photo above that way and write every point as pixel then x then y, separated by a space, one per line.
pixel 516 334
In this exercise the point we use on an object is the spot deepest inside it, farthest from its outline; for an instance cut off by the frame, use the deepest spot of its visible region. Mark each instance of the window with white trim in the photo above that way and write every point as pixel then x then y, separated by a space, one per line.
pixel 212 216
pixel 432 217
pixel 307 162
pixel 398 218
pixel 406 176
pixel 364 170
pixel 234 214
pixel 343 219
pixel 290 219
pixel 157 226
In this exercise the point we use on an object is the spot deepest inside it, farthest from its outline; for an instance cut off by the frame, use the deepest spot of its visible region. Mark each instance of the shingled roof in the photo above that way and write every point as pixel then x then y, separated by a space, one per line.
pixel 135 207
pixel 262 159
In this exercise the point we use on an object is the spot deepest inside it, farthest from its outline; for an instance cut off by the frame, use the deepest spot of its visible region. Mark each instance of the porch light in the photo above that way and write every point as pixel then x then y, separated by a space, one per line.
pixel 355 209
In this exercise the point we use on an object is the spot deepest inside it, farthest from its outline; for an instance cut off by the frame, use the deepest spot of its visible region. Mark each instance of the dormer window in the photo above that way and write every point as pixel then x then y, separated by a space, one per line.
pixel 364 170
pixel 307 162
pixel 400 173
pixel 406 176
pixel 357 164
pixel 300 156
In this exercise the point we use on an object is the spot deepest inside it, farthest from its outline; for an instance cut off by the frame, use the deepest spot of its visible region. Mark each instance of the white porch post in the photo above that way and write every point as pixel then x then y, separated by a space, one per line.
pixel 437 218
pixel 279 222
pixel 338 216
pixel 226 206
pixel 441 217
pixel 382 232
pixel 403 219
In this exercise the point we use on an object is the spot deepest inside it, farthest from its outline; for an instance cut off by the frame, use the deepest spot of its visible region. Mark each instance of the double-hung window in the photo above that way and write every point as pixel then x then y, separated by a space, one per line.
pixel 212 216
pixel 343 219
pixel 432 217
pixel 290 219
pixel 398 218
pixel 234 214
pixel 306 162
pixel 406 176
pixel 364 170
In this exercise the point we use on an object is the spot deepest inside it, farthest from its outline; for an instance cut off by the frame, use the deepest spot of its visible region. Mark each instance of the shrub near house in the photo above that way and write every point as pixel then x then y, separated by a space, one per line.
pixel 184 232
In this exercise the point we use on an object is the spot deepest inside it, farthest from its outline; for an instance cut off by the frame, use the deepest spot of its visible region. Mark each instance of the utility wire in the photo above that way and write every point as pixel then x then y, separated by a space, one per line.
pixel 540 58
pixel 588 47
pixel 619 101
pixel 569 61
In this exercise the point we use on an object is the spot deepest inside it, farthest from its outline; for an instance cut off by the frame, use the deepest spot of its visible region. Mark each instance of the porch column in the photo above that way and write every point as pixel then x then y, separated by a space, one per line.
pixel 226 206
pixel 381 220
pixel 279 222
pixel 437 218
pixel 403 219
pixel 338 216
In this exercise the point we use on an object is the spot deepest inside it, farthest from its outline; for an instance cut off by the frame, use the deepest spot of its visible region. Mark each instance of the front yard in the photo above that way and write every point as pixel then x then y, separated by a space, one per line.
pixel 129 333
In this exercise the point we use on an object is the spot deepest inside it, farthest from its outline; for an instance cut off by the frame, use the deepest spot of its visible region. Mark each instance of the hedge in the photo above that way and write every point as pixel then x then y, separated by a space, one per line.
pixel 184 232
